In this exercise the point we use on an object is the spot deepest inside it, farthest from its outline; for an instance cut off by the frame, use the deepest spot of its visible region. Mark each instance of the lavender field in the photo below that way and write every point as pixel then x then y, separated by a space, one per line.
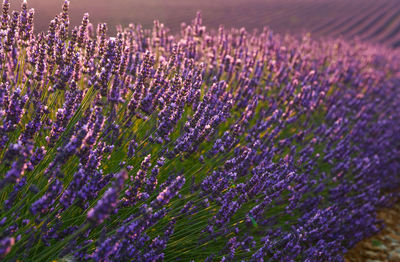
pixel 199 143
pixel 370 20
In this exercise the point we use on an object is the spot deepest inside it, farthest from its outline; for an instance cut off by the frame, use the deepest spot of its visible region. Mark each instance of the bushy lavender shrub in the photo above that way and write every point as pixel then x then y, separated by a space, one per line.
pixel 207 145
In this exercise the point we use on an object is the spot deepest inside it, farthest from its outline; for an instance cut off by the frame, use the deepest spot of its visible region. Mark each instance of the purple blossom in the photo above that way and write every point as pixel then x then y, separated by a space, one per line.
pixel 107 204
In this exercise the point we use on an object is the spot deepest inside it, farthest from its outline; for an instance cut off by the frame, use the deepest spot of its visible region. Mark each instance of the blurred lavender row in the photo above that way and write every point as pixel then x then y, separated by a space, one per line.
pixel 368 20
pixel 205 145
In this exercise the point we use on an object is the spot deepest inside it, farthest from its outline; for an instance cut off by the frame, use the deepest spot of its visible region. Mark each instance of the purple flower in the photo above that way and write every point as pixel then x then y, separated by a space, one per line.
pixel 169 192
pixel 45 203
pixel 107 204
pixel 6 245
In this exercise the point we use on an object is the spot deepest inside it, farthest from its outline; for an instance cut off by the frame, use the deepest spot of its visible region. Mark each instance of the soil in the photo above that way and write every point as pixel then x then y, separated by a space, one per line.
pixel 384 246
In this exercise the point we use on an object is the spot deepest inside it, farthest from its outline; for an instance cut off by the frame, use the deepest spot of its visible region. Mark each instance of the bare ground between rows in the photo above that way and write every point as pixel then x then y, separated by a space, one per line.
pixel 385 245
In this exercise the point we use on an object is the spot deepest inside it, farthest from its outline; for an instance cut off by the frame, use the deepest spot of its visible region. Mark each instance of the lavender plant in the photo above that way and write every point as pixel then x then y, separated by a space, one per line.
pixel 206 145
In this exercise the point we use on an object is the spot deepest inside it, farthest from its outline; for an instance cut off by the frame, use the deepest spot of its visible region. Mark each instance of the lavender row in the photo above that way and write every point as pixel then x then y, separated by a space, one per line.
pixel 215 145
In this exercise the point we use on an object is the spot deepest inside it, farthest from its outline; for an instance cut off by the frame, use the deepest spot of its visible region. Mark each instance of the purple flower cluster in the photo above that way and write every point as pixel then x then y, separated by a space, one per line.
pixel 205 145
pixel 108 203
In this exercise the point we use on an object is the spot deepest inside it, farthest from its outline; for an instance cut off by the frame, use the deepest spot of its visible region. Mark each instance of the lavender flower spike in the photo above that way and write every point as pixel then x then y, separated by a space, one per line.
pixel 107 204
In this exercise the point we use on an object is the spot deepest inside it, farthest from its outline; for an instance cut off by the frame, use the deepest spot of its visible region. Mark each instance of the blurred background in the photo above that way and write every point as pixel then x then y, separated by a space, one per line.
pixel 377 21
